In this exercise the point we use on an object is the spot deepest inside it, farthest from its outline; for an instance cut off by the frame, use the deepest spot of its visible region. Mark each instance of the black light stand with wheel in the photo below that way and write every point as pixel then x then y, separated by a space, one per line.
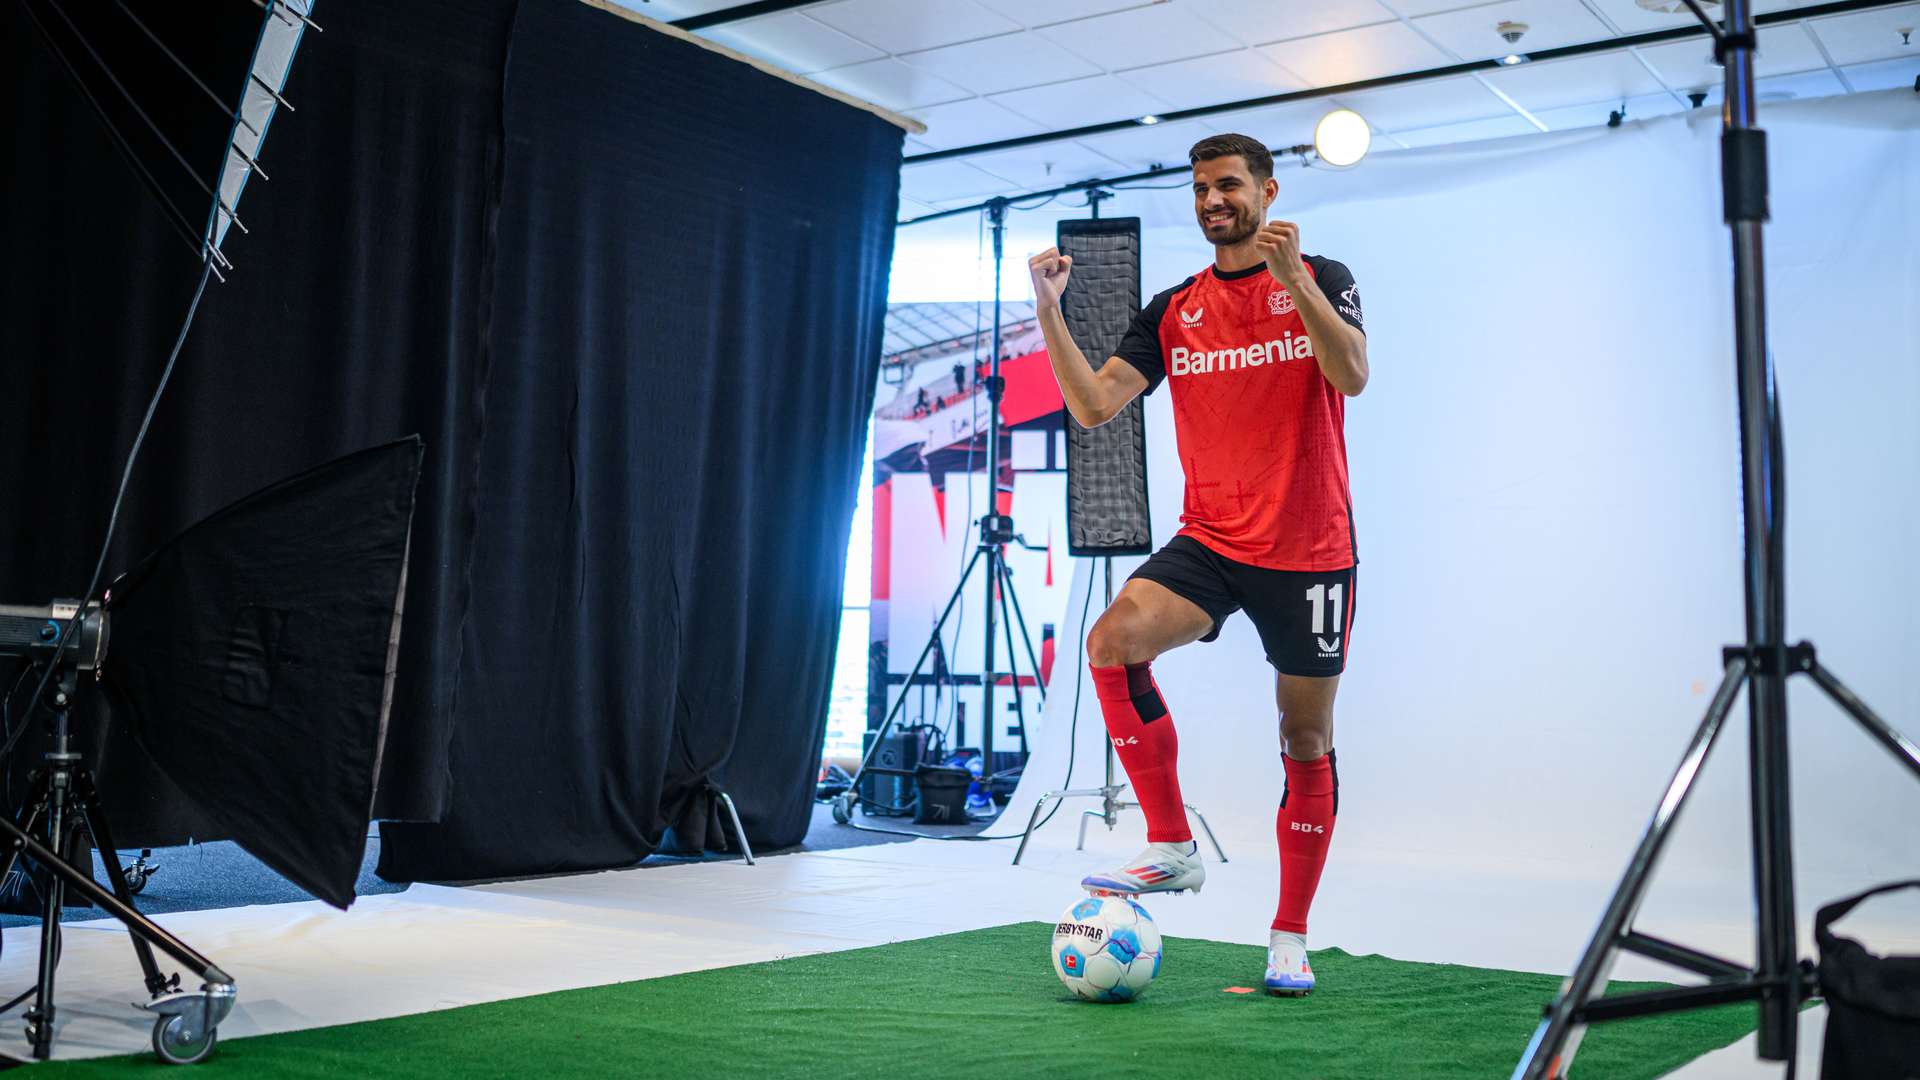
pixel 996 532
pixel 1778 981
pixel 62 805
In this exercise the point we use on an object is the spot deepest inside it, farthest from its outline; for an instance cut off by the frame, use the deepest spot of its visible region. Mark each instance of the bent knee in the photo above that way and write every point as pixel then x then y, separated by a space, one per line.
pixel 1115 641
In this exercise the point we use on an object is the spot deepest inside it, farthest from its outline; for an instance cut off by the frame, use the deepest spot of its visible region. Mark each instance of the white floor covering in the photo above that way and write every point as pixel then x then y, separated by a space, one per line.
pixel 306 965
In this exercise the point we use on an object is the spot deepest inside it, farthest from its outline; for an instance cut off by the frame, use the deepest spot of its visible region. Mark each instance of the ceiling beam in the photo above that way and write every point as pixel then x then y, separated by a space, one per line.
pixel 737 13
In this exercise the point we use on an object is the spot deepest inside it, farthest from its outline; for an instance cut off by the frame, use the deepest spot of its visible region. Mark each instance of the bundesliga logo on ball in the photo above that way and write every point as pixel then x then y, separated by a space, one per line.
pixel 1106 948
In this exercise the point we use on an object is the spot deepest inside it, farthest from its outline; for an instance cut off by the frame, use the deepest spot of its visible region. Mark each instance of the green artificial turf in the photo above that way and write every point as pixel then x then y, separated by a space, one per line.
pixel 980 1004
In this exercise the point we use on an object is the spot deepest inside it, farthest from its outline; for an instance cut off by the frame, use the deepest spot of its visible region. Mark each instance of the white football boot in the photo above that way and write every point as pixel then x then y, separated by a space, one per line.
pixel 1162 868
pixel 1288 971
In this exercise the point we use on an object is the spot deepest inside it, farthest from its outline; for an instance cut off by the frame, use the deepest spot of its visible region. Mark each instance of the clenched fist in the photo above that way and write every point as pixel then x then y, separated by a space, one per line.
pixel 1278 242
pixel 1050 270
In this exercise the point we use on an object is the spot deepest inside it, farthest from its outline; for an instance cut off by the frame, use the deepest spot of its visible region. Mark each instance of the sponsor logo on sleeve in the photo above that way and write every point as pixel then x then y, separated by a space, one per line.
pixel 1350 303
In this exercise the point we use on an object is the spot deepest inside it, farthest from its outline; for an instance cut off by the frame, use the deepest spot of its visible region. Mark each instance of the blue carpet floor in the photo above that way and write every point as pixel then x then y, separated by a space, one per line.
pixel 199 877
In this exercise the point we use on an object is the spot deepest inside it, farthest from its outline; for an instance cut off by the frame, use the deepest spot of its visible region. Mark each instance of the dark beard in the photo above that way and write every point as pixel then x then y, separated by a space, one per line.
pixel 1242 227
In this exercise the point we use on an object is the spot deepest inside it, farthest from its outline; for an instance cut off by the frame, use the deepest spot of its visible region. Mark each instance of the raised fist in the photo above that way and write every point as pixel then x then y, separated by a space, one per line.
pixel 1050 270
pixel 1278 242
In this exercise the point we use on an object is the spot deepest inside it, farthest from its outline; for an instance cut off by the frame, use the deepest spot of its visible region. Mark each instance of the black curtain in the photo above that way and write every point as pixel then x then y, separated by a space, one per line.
pixel 691 283
pixel 628 290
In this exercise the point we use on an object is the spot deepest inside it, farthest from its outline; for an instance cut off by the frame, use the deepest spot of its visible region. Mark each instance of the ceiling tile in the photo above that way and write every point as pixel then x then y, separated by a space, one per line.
pixel 1081 102
pixel 1442 101
pixel 1352 55
pixel 1577 81
pixel 1036 168
pixel 1870 35
pixel 1213 80
pixel 1007 62
pixel 1137 37
pixel 1686 65
pixel 1470 33
pixel 792 41
pixel 1798 87
pixel 1278 126
pixel 1631 18
pixel 943 181
pixel 891 84
pixel 1472 131
pixel 1595 113
pixel 1778 88
pixel 1032 13
pixel 1883 75
pixel 965 123
pixel 1415 8
pixel 1145 147
pixel 922 24
pixel 1259 22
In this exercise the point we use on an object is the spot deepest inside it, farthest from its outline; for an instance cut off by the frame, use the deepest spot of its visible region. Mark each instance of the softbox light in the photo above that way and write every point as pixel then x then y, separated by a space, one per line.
pixel 1107 512
pixel 253 658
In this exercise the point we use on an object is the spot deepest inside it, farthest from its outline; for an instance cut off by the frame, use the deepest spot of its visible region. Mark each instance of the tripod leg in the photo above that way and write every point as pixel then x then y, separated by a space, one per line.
pixel 1033 660
pixel 1542 1060
pixel 1013 669
pixel 932 640
pixel 40 1017
pixel 1208 829
pixel 86 807
pixel 1032 823
pixel 1901 747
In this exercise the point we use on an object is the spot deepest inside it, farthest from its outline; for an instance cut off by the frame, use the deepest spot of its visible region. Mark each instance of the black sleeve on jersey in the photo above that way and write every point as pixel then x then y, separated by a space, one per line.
pixel 1141 344
pixel 1336 282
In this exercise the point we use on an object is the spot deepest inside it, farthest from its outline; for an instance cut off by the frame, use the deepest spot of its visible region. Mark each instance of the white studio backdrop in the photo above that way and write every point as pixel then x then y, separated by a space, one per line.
pixel 1544 471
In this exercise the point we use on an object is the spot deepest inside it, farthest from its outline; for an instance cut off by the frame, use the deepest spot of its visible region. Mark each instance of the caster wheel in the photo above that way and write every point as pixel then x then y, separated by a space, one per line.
pixel 168 1045
pixel 843 807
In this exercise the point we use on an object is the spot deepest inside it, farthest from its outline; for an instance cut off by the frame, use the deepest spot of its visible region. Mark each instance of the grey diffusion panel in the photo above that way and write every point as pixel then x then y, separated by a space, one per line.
pixel 1107 465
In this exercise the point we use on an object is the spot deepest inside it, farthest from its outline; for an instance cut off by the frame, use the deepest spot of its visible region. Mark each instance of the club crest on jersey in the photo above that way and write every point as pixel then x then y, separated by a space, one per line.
pixel 1191 319
pixel 1280 302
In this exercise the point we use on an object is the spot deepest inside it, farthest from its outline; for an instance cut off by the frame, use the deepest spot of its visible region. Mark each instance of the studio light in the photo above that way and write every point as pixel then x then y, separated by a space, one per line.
pixel 1342 138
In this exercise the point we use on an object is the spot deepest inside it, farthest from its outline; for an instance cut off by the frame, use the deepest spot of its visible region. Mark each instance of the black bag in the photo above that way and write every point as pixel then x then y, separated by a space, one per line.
pixel 943 794
pixel 1873 1002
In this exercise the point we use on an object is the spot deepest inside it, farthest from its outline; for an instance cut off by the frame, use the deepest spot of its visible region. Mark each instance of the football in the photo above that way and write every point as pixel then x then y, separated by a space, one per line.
pixel 1106 948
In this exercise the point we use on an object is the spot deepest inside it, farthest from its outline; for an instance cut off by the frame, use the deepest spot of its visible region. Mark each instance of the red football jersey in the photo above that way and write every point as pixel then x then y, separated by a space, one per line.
pixel 1261 432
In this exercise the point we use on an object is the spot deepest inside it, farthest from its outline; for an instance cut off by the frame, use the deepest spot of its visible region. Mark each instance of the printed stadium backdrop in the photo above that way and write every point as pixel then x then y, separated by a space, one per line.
pixel 930 489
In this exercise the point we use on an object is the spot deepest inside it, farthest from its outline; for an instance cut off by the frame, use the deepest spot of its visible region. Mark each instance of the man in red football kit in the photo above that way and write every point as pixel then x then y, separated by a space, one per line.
pixel 1261 351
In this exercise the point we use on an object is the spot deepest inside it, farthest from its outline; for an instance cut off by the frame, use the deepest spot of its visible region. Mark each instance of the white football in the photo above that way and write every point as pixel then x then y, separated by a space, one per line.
pixel 1106 948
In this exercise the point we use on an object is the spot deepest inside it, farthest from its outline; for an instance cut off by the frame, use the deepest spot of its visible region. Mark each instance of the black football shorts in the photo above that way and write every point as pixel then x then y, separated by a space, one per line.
pixel 1305 617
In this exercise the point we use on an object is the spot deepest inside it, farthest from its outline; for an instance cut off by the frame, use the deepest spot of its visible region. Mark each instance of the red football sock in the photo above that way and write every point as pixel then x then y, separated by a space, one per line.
pixel 1143 738
pixel 1305 827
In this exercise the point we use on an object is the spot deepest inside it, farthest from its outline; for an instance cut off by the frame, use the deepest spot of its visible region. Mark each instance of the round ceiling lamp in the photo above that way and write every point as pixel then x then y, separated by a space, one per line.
pixel 1342 138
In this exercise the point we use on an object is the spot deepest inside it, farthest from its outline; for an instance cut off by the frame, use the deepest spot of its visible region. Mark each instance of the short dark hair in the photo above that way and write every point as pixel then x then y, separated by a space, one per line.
pixel 1259 159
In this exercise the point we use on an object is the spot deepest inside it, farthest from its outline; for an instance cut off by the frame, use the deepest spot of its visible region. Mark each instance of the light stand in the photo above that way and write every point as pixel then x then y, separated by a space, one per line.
pixel 1109 792
pixel 1777 981
pixel 61 804
pixel 996 532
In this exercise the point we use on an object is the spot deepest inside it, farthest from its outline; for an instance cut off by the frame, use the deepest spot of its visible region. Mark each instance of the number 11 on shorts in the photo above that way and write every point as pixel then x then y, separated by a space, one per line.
pixel 1317 596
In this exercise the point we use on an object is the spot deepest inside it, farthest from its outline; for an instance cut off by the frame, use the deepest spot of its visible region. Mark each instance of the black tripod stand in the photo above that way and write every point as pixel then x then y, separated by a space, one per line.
pixel 996 532
pixel 61 807
pixel 1778 981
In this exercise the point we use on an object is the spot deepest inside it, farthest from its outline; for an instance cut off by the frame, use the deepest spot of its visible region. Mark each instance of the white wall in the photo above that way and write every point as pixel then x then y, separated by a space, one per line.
pixel 1544 473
